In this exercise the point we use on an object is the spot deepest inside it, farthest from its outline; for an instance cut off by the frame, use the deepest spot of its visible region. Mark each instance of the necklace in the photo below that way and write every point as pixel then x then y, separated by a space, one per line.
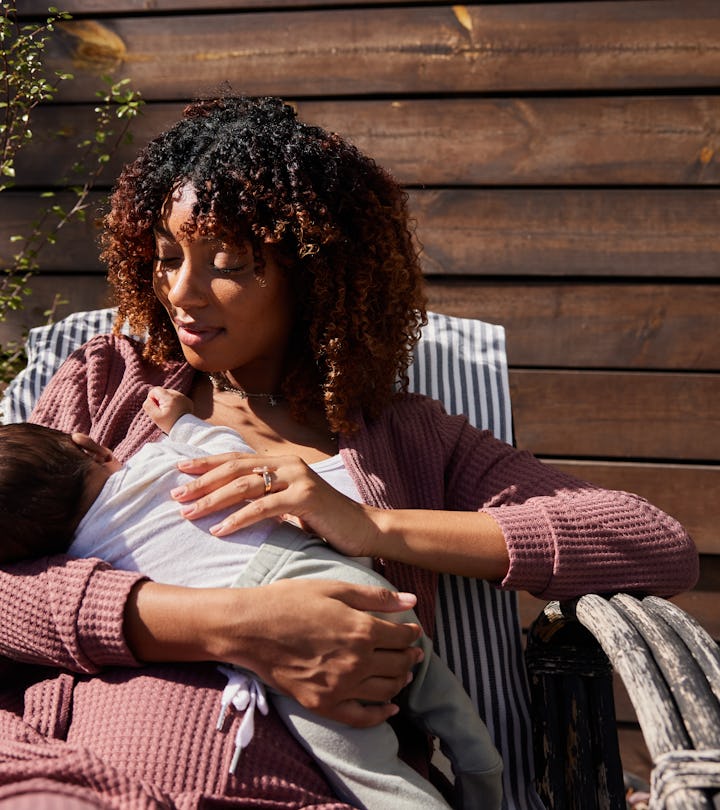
pixel 221 383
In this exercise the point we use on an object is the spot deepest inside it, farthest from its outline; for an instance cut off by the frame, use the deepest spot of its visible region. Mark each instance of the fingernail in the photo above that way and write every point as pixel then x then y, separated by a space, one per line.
pixel 217 529
pixel 409 678
pixel 178 492
pixel 188 510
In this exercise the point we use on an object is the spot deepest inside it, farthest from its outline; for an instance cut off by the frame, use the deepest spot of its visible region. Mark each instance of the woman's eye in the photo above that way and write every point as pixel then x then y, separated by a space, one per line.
pixel 226 271
pixel 226 263
pixel 168 261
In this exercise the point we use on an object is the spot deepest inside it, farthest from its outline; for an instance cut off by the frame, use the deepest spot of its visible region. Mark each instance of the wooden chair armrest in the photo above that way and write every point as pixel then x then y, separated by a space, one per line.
pixel 670 668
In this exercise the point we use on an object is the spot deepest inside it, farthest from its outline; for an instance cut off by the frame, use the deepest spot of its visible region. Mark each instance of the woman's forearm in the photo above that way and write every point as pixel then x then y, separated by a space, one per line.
pixel 168 622
pixel 312 639
pixel 591 540
pixel 470 544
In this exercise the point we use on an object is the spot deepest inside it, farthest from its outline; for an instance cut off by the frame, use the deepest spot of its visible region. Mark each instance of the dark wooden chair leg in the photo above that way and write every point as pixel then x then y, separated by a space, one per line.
pixel 575 739
pixel 671 670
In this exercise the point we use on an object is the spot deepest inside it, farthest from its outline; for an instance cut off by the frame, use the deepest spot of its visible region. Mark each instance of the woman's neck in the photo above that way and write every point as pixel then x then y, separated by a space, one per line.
pixel 268 428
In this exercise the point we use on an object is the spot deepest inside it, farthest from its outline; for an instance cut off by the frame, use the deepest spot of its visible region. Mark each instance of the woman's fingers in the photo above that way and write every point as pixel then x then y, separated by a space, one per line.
pixel 222 481
pixel 382 600
pixel 266 487
pixel 331 657
pixel 363 715
pixel 213 472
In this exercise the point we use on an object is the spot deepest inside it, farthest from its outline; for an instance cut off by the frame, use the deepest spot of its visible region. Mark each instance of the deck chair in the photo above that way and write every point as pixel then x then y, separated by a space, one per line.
pixel 574 749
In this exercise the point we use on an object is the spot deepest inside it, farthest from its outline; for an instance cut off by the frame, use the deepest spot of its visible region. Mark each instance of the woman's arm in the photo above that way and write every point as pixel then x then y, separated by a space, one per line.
pixel 456 542
pixel 311 639
pixel 66 613
pixel 532 527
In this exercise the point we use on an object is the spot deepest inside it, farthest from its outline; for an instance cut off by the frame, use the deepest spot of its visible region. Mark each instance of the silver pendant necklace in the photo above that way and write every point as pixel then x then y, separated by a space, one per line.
pixel 221 383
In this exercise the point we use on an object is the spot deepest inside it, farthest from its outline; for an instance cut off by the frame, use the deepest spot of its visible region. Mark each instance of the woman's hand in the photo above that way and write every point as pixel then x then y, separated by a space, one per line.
pixel 293 491
pixel 455 542
pixel 311 639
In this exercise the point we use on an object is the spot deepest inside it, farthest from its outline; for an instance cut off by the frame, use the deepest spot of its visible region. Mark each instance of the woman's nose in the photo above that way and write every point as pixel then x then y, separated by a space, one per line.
pixel 184 286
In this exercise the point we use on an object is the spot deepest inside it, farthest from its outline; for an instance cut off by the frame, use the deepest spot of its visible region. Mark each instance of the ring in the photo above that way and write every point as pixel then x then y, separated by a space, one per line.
pixel 264 473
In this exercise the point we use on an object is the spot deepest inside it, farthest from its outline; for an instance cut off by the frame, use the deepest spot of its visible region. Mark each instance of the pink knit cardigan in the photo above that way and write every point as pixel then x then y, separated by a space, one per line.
pixel 145 737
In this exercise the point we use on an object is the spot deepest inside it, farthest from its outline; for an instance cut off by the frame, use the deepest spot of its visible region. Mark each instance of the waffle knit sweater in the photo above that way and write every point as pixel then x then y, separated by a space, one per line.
pixel 96 724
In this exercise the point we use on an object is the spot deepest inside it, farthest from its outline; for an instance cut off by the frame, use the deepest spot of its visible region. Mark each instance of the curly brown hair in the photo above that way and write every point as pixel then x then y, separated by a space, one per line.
pixel 336 222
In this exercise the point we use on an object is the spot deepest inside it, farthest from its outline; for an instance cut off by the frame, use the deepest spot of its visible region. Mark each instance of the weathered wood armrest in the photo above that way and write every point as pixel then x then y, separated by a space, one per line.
pixel 670 668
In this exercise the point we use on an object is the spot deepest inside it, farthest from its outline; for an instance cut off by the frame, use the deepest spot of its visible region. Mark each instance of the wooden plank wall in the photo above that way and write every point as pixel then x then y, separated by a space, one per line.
pixel 562 164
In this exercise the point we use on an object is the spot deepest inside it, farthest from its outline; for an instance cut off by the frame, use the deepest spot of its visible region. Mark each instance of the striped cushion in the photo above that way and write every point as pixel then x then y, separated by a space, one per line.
pixel 462 363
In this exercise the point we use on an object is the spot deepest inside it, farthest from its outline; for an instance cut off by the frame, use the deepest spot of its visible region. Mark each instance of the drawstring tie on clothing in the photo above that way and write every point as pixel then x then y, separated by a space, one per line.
pixel 245 693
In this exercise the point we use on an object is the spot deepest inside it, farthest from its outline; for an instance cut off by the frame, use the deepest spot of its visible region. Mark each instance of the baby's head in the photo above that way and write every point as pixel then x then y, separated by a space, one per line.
pixel 48 480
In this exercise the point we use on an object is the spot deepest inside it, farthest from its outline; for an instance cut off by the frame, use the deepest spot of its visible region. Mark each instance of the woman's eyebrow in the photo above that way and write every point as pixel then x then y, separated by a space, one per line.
pixel 161 232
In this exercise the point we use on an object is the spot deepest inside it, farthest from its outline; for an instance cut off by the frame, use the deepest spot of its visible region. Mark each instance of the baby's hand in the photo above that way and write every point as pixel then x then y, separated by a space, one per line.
pixel 165 406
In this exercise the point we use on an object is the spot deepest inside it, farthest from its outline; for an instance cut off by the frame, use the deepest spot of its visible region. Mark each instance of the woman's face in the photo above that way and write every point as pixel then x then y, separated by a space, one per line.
pixel 225 316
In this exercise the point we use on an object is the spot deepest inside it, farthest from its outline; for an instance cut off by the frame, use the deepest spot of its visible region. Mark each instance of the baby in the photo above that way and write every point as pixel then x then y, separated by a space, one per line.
pixel 61 492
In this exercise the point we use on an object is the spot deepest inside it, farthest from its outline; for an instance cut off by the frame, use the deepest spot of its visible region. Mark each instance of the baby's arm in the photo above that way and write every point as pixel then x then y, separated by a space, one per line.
pixel 165 406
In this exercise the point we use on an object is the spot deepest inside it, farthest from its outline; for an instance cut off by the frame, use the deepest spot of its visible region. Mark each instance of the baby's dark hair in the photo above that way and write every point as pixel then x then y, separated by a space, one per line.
pixel 335 221
pixel 42 481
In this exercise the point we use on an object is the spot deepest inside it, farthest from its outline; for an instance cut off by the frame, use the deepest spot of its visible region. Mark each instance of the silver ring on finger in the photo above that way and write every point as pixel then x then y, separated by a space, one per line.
pixel 264 473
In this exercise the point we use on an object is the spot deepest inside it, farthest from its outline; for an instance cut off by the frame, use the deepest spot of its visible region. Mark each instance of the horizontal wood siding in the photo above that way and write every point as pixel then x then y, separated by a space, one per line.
pixel 563 167
pixel 413 49
pixel 469 142
pixel 645 234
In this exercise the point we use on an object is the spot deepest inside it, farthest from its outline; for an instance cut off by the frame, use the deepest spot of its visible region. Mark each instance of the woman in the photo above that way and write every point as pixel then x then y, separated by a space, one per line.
pixel 270 267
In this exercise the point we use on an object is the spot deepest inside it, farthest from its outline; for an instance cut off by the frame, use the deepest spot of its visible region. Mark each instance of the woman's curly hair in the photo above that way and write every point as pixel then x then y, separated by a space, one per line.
pixel 336 222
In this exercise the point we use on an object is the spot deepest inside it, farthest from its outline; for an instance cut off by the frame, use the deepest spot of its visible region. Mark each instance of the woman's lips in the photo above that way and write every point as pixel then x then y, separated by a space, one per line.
pixel 193 335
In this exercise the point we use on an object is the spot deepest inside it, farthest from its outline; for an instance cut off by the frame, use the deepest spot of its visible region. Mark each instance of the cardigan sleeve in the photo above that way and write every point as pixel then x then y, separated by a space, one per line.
pixel 55 610
pixel 65 613
pixel 91 382
pixel 565 536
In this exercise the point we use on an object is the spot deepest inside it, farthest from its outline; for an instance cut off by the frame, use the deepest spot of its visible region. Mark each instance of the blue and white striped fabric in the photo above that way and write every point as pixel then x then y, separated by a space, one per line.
pixel 462 363
pixel 47 347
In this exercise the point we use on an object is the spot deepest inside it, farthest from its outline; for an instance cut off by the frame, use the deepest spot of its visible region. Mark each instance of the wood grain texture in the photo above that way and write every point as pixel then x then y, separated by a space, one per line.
pixel 594 325
pixel 560 232
pixel 702 605
pixel 415 49
pixel 675 708
pixel 623 415
pixel 77 293
pixel 88 7
pixel 478 233
pixel 597 140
